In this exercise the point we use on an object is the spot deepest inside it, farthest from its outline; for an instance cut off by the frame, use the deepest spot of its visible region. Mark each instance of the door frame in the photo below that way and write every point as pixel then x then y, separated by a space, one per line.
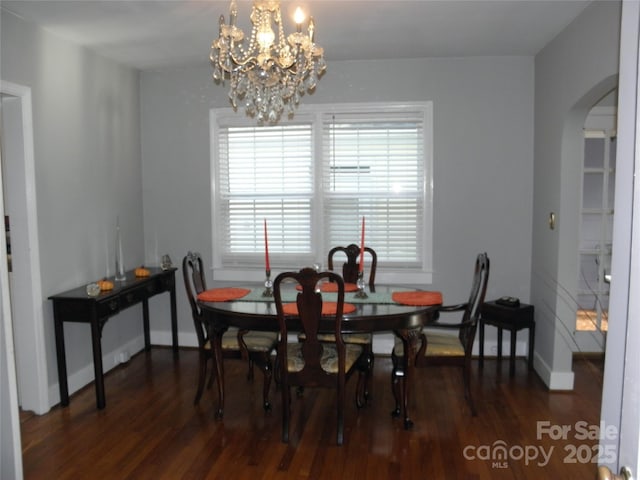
pixel 9 419
pixel 620 412
pixel 30 348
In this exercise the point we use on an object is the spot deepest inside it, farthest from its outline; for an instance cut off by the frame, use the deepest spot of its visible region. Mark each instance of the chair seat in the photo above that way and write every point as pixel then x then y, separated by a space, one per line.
pixel 329 360
pixel 446 343
pixel 354 338
pixel 438 345
pixel 256 341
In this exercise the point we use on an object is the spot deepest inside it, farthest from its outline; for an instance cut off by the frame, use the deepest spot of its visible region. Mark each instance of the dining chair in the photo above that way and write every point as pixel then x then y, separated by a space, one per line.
pixel 314 363
pixel 254 346
pixel 437 348
pixel 350 275
pixel 350 267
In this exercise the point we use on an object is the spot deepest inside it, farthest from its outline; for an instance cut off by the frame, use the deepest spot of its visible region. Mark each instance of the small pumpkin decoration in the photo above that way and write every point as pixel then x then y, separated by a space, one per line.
pixel 105 284
pixel 142 272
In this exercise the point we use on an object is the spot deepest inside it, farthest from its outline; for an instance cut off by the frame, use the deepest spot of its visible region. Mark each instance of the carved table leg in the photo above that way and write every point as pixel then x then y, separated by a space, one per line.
pixel 215 334
pixel 96 335
pixel 61 357
pixel 410 341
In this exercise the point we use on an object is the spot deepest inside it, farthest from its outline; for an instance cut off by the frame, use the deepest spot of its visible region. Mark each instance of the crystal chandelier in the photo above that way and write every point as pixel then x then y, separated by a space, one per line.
pixel 268 73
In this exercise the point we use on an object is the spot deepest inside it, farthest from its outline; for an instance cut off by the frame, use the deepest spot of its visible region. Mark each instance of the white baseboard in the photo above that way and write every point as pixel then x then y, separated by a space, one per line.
pixel 382 342
pixel 163 338
pixel 382 345
pixel 553 380
pixel 86 375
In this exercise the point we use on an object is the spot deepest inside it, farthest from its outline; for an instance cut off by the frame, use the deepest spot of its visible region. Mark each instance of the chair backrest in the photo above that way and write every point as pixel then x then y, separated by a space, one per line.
pixel 195 283
pixel 350 267
pixel 474 305
pixel 309 311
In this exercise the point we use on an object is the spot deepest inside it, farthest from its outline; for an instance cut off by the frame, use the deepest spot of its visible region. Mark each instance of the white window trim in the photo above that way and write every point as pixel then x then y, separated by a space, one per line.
pixel 388 275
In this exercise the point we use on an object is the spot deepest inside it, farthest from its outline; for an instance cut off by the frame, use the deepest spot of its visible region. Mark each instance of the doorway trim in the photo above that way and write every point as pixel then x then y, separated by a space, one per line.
pixel 33 374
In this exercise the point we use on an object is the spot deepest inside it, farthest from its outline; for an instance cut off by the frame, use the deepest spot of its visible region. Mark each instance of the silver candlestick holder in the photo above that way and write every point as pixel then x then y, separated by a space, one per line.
pixel 268 285
pixel 360 283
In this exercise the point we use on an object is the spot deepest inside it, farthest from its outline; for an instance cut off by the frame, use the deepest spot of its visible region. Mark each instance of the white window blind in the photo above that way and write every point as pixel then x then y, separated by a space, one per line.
pixel 373 167
pixel 264 173
pixel 314 178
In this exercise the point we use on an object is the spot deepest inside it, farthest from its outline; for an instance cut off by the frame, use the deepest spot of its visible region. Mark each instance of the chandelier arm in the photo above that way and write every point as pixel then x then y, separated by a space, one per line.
pixel 253 62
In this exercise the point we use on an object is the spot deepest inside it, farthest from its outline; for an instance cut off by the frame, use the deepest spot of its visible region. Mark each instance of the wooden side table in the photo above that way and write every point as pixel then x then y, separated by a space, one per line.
pixel 512 319
pixel 76 306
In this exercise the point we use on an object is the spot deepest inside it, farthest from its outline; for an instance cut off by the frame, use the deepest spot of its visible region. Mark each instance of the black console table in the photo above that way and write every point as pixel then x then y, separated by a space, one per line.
pixel 512 319
pixel 76 306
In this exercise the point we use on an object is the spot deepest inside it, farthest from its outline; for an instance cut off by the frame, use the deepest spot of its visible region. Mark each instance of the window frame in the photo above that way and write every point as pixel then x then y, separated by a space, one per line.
pixel 315 113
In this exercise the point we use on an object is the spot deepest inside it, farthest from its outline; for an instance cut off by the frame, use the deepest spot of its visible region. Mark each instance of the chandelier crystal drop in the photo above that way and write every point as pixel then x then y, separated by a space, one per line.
pixel 267 72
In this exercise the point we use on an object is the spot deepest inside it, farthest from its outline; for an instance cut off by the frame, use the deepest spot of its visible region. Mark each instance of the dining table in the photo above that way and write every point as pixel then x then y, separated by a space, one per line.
pixel 376 312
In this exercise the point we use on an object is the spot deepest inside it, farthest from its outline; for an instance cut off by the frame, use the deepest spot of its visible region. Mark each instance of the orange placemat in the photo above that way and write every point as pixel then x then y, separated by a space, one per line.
pixel 417 298
pixel 222 294
pixel 332 287
pixel 328 308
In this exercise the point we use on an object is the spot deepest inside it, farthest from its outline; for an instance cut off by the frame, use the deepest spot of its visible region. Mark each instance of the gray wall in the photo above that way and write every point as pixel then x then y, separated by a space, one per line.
pixel 87 167
pixel 89 170
pixel 572 74
pixel 483 162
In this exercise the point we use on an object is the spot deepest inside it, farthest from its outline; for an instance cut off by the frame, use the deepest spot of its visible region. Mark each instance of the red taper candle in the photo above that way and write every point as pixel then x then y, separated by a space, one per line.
pixel 266 248
pixel 361 265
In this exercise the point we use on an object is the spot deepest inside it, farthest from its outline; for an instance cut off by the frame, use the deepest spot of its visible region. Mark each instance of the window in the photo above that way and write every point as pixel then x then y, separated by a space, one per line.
pixel 313 178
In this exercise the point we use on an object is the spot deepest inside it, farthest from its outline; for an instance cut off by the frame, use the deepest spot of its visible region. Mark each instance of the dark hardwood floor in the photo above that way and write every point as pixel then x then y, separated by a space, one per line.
pixel 151 429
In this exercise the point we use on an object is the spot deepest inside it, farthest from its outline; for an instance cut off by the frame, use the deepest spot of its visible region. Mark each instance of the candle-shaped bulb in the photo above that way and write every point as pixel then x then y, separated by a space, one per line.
pixel 233 12
pixel 312 27
pixel 298 17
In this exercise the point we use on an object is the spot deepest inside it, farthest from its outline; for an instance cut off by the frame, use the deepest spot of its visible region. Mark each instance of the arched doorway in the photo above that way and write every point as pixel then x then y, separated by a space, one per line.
pixel 596 226
pixel 566 284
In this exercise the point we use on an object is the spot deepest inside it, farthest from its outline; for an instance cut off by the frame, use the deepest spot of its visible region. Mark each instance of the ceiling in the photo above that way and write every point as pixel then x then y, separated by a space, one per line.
pixel 150 34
